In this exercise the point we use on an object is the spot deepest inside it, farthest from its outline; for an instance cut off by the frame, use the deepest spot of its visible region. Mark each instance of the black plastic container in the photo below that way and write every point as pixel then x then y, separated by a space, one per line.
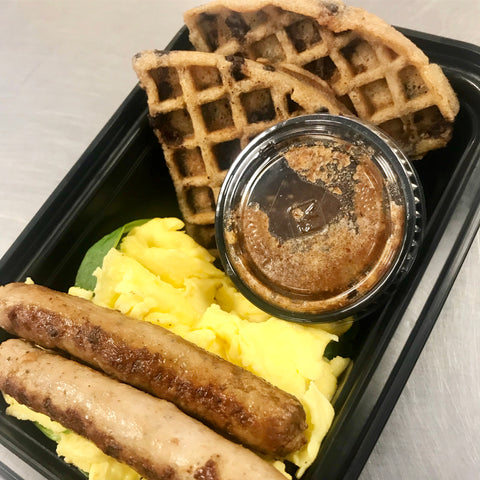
pixel 122 177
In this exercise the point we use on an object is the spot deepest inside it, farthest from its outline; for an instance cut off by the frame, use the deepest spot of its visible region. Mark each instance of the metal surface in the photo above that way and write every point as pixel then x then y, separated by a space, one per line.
pixel 65 67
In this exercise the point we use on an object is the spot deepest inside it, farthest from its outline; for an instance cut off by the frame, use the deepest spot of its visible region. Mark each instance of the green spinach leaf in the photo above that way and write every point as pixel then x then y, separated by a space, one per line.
pixel 96 253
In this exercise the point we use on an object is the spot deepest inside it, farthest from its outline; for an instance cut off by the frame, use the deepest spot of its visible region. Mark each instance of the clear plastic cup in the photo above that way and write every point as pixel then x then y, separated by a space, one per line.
pixel 318 217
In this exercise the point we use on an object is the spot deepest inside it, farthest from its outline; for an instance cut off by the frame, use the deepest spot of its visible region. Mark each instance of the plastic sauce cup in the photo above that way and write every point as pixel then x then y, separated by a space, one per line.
pixel 318 217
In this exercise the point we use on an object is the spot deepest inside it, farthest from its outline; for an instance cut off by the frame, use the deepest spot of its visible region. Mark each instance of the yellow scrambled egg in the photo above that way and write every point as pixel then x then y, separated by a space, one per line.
pixel 161 275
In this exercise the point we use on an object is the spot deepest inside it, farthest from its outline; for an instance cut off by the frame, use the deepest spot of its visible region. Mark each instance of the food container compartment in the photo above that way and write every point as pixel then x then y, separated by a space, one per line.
pixel 122 177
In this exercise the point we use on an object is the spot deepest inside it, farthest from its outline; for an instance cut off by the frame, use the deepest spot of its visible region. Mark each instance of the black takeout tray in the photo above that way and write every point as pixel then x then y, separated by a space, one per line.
pixel 122 177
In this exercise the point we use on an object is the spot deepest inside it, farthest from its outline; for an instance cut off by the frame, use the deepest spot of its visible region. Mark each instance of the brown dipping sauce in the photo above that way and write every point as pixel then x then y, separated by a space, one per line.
pixel 324 235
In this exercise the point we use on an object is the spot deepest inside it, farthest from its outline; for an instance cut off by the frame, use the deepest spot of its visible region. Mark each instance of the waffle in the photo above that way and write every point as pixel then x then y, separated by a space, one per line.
pixel 374 70
pixel 205 107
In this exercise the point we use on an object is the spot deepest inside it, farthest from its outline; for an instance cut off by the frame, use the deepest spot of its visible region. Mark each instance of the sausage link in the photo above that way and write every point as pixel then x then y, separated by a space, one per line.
pixel 151 435
pixel 226 397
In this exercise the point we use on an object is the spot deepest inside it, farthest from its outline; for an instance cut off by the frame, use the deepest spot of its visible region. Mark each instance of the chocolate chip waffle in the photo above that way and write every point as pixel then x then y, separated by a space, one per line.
pixel 373 69
pixel 204 108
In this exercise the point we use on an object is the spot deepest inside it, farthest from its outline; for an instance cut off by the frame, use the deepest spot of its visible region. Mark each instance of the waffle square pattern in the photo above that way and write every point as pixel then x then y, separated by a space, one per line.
pixel 374 70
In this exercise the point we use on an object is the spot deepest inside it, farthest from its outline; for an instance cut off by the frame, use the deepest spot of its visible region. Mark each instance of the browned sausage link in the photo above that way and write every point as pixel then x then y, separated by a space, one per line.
pixel 151 435
pixel 230 399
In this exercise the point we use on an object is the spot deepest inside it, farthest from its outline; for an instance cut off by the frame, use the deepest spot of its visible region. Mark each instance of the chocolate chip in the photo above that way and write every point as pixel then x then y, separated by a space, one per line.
pixel 322 67
pixel 167 82
pixel 207 24
pixel 173 126
pixel 349 50
pixel 236 68
pixel 332 8
pixel 304 34
pixel 237 25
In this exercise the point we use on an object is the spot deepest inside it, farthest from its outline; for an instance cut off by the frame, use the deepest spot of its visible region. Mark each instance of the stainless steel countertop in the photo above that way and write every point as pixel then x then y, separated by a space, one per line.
pixel 65 68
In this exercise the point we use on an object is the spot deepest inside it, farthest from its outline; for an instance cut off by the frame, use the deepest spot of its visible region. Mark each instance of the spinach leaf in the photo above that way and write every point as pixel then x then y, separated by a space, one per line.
pixel 95 254
pixel 347 345
pixel 55 436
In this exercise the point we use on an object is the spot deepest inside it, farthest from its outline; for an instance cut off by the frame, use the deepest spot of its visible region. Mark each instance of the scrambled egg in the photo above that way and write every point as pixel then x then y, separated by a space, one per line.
pixel 161 275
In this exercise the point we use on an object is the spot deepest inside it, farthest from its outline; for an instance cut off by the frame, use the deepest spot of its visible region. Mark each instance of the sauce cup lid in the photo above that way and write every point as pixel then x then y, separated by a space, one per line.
pixel 318 217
